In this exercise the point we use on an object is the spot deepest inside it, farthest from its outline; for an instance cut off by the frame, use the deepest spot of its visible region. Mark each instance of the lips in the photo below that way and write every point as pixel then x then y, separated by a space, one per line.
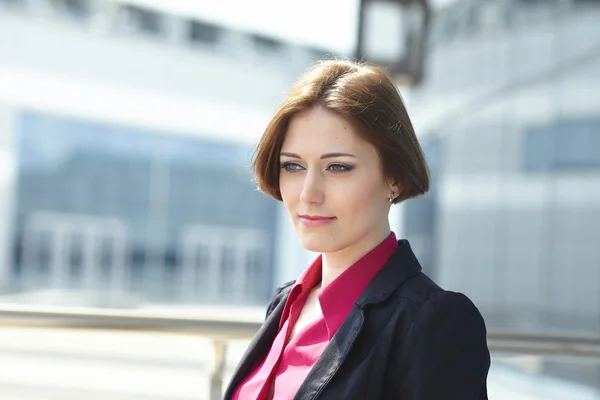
pixel 315 220
pixel 315 217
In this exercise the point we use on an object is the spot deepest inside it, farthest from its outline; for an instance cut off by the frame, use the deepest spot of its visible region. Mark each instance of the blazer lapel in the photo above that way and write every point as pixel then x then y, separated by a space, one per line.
pixel 332 357
pixel 258 348
pixel 401 266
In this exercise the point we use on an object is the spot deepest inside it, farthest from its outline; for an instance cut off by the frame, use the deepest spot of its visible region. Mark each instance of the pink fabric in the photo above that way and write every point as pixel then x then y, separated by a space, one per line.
pixel 288 366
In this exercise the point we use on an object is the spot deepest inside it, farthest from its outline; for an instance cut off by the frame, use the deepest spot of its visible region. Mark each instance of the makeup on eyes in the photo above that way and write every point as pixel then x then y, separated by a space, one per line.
pixel 292 167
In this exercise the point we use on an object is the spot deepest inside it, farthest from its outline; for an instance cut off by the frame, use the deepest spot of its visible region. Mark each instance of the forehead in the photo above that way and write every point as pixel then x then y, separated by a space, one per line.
pixel 319 129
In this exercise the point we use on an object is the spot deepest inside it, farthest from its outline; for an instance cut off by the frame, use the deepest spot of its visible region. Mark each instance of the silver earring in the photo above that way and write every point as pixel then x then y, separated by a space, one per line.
pixel 392 197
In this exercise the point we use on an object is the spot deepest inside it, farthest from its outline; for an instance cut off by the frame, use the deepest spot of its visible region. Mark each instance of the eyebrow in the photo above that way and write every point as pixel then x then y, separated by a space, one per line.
pixel 327 155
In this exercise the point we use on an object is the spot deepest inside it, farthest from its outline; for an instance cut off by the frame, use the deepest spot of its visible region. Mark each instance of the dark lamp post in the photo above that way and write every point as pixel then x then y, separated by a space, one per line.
pixel 394 34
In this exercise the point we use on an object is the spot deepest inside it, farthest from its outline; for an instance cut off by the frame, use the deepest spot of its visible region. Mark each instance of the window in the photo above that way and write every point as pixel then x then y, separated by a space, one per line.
pixel 75 256
pixel 73 9
pixel 201 32
pixel 565 145
pixel 100 170
pixel 217 263
pixel 143 20
pixel 265 44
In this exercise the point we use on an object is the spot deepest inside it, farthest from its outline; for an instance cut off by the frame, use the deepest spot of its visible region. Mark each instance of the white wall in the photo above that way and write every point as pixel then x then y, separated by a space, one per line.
pixel 139 62
pixel 54 66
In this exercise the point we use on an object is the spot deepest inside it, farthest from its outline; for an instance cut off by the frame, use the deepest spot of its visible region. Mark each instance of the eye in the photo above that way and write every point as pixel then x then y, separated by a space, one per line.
pixel 339 168
pixel 291 167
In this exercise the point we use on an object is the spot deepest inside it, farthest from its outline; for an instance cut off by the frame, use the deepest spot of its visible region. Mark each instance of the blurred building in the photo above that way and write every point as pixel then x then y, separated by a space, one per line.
pixel 127 128
pixel 126 132
pixel 509 116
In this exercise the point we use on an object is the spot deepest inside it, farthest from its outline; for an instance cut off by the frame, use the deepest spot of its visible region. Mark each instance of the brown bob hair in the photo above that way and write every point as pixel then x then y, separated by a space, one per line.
pixel 367 97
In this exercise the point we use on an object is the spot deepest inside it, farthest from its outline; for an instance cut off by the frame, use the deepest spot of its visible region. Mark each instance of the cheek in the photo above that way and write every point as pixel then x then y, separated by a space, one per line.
pixel 361 198
pixel 288 190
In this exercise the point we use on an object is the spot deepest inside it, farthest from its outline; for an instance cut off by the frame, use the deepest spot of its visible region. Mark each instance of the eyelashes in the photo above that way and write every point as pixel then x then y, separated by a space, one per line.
pixel 336 168
pixel 339 168
pixel 291 167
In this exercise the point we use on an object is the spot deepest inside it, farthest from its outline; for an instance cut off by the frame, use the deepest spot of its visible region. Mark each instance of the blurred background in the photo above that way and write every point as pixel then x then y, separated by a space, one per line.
pixel 126 132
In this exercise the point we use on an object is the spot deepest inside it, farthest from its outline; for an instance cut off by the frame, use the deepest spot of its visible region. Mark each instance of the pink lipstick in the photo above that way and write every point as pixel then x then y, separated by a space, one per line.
pixel 315 220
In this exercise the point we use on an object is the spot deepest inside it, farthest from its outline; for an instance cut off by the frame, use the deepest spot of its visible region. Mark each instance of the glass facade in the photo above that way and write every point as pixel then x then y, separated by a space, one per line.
pixel 511 129
pixel 563 146
pixel 108 207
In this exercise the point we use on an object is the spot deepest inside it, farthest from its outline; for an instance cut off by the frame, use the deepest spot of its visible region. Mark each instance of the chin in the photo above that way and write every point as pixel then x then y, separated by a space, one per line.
pixel 319 243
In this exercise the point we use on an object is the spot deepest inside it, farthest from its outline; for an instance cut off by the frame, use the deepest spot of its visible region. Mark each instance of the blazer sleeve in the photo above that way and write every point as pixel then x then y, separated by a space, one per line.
pixel 446 354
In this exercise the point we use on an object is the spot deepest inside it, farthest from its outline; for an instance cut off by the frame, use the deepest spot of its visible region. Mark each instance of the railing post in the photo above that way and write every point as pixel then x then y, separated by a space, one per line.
pixel 218 368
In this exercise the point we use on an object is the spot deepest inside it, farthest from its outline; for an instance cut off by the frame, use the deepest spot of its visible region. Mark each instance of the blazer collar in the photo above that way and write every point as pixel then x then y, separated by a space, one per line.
pixel 402 265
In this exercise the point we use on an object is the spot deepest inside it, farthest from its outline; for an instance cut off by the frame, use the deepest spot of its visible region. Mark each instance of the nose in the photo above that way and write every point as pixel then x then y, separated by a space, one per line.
pixel 312 188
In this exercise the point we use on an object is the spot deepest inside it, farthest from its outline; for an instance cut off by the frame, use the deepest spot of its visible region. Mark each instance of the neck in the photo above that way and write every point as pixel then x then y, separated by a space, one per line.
pixel 334 264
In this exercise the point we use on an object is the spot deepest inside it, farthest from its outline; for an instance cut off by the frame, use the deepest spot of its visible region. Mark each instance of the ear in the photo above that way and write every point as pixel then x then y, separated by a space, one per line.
pixel 394 186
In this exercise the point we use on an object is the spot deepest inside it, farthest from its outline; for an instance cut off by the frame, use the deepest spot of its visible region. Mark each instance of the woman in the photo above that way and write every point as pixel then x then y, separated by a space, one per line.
pixel 363 321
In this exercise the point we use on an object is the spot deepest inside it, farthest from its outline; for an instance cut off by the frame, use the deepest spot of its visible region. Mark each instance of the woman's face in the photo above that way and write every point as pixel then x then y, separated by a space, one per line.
pixel 332 184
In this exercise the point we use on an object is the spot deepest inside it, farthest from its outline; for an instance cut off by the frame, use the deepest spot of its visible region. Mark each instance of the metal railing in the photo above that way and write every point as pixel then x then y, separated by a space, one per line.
pixel 223 326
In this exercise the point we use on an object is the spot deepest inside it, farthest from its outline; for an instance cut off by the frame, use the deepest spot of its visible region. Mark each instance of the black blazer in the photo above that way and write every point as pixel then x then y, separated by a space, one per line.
pixel 405 339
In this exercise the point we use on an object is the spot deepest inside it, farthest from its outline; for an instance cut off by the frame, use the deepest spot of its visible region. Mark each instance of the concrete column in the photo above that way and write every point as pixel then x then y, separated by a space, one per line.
pixel 396 218
pixel 8 176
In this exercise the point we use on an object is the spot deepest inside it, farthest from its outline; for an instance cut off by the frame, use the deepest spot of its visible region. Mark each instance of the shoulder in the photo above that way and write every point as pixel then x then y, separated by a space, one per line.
pixel 423 292
pixel 445 342
pixel 443 312
pixel 280 294
pixel 451 310
pixel 446 324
